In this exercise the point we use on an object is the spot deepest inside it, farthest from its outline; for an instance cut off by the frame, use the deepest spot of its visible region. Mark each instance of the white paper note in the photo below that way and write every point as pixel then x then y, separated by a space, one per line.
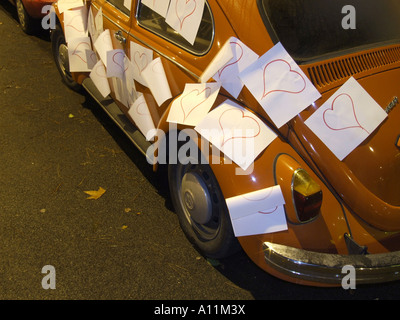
pixel 228 74
pixel 346 119
pixel 140 58
pixel 194 103
pixel 157 82
pixel 75 23
pixel 223 56
pixel 159 6
pixel 80 55
pixel 258 212
pixel 140 113
pixel 237 132
pixel 64 5
pixel 279 85
pixel 103 44
pixel 99 78
pixel 116 63
pixel 184 16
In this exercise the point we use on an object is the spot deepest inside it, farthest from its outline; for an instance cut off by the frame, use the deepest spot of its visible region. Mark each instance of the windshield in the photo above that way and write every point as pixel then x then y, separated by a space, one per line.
pixel 311 28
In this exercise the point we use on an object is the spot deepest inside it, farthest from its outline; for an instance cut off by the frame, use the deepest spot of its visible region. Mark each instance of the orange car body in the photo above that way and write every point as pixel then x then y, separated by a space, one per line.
pixel 361 194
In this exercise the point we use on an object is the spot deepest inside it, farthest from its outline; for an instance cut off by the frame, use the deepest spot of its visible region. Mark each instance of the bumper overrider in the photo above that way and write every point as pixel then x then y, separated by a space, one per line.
pixel 327 268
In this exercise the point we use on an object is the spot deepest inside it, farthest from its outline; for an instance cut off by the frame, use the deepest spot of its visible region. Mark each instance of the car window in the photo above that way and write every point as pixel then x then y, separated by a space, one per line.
pixel 119 4
pixel 155 23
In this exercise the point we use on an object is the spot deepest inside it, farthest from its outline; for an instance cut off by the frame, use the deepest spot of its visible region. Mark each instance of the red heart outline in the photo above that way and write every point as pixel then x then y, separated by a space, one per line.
pixel 261 199
pixel 268 212
pixel 243 117
pixel 138 62
pixel 208 93
pixel 71 25
pixel 331 109
pixel 76 51
pixel 265 93
pixel 147 113
pixel 116 62
pixel 181 21
pixel 220 71
pixel 104 75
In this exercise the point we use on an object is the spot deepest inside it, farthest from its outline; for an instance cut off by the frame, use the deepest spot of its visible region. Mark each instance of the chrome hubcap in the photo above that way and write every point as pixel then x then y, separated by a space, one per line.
pixel 63 58
pixel 196 198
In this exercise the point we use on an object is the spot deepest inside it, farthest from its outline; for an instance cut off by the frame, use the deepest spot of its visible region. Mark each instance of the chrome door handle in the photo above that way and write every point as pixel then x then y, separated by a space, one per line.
pixel 119 36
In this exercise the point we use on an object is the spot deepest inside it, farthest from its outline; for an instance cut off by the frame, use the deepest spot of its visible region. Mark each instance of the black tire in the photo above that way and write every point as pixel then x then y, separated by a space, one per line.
pixel 201 208
pixel 60 55
pixel 27 23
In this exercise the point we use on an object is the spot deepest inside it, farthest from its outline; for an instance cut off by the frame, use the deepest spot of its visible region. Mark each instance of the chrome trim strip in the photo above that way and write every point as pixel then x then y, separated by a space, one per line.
pixel 327 268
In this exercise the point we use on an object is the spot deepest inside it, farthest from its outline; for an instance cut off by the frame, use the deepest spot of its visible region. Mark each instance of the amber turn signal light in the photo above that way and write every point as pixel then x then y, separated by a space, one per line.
pixel 307 196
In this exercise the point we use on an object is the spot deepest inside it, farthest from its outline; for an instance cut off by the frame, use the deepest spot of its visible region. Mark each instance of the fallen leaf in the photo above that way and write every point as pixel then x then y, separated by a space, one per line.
pixel 128 210
pixel 95 194
pixel 124 227
pixel 71 116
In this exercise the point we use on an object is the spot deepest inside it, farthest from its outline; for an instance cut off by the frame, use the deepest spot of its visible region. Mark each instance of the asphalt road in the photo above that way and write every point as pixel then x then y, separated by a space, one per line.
pixel 56 144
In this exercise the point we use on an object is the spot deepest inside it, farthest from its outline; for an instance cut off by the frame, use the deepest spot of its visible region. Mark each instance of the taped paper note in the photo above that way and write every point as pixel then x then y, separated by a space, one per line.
pixel 75 23
pixel 279 85
pixel 159 6
pixel 194 103
pixel 228 74
pixel 98 21
pixel 237 132
pixel 116 63
pixel 258 212
pixel 184 16
pixel 140 113
pixel 128 4
pixel 346 119
pixel 99 78
pixel 219 61
pixel 64 5
pixel 120 90
pixel 103 44
pixel 140 58
pixel 80 55
pixel 156 81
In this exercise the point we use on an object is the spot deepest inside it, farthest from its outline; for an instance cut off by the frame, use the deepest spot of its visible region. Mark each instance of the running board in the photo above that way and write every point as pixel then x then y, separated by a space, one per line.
pixel 115 113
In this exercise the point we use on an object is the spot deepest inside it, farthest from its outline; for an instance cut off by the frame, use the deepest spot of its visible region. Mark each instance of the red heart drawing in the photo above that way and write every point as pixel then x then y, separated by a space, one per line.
pixel 101 71
pixel 81 53
pixel 290 73
pixel 342 116
pixel 140 60
pixel 261 199
pixel 248 122
pixel 119 59
pixel 76 24
pixel 142 109
pixel 187 109
pixel 268 212
pixel 180 13
pixel 240 56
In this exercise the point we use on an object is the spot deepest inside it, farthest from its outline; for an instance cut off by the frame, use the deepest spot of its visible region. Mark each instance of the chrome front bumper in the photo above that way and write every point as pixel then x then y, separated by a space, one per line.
pixel 327 268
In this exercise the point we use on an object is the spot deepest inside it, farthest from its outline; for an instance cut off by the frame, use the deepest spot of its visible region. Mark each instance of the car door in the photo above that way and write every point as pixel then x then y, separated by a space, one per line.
pixel 182 61
pixel 116 17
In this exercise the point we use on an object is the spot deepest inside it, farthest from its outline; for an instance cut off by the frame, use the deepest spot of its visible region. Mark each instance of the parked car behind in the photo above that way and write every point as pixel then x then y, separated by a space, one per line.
pixel 30 12
pixel 322 190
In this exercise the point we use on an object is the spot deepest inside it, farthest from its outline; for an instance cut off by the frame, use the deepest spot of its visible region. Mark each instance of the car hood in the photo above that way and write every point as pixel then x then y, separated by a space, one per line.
pixel 368 179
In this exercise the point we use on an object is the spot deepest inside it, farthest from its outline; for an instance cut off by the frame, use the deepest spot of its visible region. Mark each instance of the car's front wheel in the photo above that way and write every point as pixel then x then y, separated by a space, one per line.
pixel 201 208
pixel 60 53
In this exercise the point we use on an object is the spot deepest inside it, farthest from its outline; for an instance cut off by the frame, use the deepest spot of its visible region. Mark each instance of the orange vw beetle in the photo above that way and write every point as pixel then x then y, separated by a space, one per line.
pixel 338 211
